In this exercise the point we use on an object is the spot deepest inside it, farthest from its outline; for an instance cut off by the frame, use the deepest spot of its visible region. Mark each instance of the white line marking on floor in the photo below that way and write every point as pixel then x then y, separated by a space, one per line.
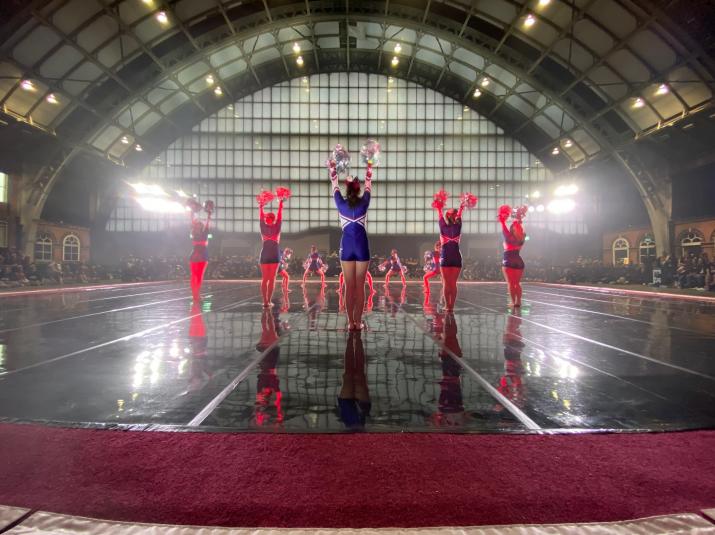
pixel 508 405
pixel 230 387
pixel 602 344
pixel 110 342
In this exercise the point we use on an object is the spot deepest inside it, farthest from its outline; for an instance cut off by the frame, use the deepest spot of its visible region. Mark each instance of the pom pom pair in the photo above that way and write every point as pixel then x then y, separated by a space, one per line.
pixel 467 200
pixel 265 196
pixel 518 213
pixel 370 153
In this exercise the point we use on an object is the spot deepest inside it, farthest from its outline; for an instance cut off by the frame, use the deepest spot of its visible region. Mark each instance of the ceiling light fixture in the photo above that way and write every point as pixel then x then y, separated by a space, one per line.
pixel 299 61
pixel 296 48
pixel 555 151
pixel 638 103
pixel 52 99
pixel 125 140
pixel 398 48
pixel 138 148
pixel 663 89
pixel 210 79
pixel 568 143
pixel 530 20
pixel 395 61
pixel 27 85
pixel 477 93
pixel 544 3
pixel 162 17
pixel 218 91
pixel 485 82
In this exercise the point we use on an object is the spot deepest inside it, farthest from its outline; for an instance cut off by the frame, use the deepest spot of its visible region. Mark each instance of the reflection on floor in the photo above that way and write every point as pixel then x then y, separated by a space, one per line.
pixel 570 360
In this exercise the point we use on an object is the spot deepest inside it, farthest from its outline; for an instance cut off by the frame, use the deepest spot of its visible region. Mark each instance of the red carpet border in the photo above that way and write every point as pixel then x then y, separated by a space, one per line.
pixel 358 480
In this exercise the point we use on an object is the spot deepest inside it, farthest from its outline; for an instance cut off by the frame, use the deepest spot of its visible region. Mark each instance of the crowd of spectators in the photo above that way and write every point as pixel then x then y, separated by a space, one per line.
pixel 692 271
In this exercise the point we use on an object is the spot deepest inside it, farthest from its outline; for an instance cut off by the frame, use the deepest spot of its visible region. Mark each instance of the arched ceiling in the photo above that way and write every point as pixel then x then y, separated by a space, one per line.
pixel 586 77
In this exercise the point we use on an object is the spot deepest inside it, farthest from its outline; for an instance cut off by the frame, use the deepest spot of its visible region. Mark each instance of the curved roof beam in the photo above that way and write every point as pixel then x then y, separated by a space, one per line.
pixel 529 56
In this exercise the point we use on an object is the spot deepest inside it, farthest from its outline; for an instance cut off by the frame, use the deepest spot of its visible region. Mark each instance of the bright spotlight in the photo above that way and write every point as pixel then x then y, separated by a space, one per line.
pixel 561 206
pixel 566 189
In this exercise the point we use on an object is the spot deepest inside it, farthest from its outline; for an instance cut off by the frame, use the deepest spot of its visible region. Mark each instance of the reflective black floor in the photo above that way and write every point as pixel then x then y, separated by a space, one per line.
pixel 571 360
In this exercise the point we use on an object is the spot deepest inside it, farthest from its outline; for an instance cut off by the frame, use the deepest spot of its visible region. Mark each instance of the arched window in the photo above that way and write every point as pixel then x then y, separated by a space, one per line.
pixel 70 248
pixel 43 248
pixel 620 251
pixel 691 242
pixel 646 249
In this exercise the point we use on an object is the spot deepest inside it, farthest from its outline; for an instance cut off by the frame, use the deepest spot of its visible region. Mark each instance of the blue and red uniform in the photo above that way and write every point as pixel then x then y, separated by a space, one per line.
pixel 431 262
pixel 354 245
pixel 395 264
pixel 284 261
pixel 314 262
pixel 449 236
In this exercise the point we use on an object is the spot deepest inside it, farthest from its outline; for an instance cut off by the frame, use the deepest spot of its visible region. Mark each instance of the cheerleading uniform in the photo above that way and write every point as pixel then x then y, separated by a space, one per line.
pixel 354 245
pixel 199 259
pixel 512 246
pixel 449 236
pixel 271 236
pixel 314 262
pixel 200 243
pixel 283 263
pixel 395 264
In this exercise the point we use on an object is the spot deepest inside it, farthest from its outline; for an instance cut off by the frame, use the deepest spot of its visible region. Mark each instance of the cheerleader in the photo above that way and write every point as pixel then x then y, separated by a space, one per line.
pixel 393 265
pixel 270 225
pixel 432 268
pixel 450 233
pixel 354 245
pixel 199 259
pixel 286 257
pixel 314 264
pixel 514 238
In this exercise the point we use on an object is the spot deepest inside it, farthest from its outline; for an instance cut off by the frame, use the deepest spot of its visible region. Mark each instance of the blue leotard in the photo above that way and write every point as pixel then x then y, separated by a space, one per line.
pixel 449 236
pixel 432 262
pixel 315 262
pixel 354 245
pixel 284 261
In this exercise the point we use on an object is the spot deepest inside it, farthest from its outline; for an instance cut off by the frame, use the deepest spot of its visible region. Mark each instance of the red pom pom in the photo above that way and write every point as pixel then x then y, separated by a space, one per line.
pixel 283 193
pixel 264 197
pixel 193 204
pixel 440 199
pixel 520 212
pixel 504 212
pixel 468 200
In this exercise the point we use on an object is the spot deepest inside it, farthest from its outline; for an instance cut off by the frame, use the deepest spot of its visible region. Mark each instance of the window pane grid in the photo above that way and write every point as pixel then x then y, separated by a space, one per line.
pixel 281 135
